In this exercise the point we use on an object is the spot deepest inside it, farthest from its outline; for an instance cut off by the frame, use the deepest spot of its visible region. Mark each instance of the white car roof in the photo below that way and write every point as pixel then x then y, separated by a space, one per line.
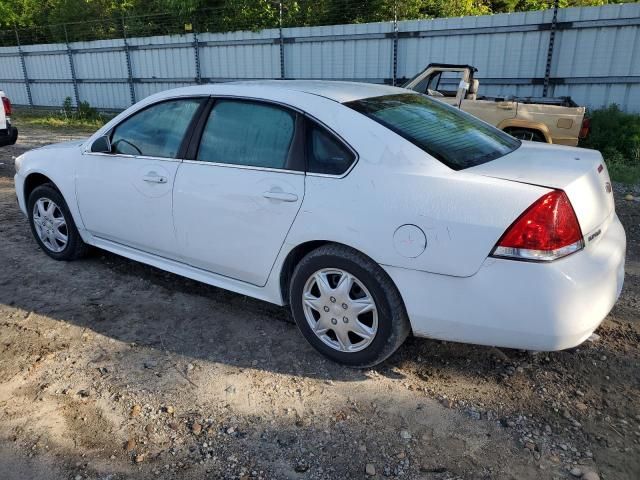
pixel 338 91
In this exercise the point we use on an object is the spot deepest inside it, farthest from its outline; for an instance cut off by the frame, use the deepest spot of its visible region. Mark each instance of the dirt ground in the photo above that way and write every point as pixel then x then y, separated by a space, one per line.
pixel 110 369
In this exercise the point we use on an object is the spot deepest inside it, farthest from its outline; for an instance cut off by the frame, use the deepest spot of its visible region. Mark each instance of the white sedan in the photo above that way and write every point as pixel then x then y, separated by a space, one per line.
pixel 373 211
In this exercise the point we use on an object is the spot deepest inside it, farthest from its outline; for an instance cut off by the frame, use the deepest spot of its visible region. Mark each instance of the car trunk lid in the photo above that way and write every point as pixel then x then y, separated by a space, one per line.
pixel 580 173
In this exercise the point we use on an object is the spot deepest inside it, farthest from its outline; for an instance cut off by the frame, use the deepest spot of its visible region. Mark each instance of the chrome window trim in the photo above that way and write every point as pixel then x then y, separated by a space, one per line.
pixel 247 167
pixel 244 167
pixel 304 114
pixel 137 157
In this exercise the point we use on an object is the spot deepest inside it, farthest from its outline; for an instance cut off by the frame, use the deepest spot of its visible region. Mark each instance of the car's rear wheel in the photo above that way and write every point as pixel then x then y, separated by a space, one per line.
pixel 347 307
pixel 52 224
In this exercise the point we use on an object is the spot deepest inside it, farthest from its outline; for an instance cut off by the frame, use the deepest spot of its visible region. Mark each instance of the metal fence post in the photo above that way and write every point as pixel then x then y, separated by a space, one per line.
pixel 552 39
pixel 282 72
pixel 72 67
pixel 127 54
pixel 196 56
pixel 24 67
pixel 394 73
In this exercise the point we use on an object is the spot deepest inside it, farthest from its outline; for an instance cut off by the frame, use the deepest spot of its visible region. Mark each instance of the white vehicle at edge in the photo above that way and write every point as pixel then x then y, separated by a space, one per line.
pixel 373 211
pixel 8 133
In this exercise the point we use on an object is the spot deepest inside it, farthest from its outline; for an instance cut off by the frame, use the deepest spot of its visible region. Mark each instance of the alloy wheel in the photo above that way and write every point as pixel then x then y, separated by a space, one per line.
pixel 340 310
pixel 50 225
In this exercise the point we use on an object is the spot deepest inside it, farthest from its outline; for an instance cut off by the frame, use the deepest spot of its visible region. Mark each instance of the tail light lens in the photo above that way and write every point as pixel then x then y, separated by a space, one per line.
pixel 7 106
pixel 585 128
pixel 546 231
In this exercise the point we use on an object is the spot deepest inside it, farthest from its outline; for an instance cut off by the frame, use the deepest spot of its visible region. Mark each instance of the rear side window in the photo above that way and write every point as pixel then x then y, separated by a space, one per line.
pixel 247 133
pixel 156 131
pixel 325 153
pixel 456 138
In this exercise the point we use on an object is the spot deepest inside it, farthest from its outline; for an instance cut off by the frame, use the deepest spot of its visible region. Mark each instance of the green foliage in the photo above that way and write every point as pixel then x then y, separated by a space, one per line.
pixel 87 112
pixel 84 112
pixel 67 107
pixel 85 117
pixel 104 18
pixel 617 135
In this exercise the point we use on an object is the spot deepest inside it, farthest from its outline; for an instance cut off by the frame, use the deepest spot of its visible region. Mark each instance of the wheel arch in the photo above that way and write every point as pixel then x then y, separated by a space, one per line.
pixel 297 253
pixel 34 180
pixel 527 125
pixel 292 259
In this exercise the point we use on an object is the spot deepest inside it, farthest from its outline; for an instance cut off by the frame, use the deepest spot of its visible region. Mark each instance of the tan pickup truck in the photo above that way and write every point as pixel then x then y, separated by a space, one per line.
pixel 551 120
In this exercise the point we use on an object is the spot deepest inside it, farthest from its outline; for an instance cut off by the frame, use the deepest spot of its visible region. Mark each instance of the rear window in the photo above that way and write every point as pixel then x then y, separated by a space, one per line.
pixel 456 138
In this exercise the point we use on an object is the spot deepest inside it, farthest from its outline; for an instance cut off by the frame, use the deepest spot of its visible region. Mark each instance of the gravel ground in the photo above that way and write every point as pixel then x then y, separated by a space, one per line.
pixel 110 370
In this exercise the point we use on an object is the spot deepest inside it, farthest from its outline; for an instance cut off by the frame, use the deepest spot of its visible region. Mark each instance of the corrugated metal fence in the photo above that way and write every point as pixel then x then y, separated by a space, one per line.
pixel 591 54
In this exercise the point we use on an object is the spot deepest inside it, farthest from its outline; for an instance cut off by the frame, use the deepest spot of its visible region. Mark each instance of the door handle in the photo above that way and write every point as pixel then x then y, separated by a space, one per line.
pixel 282 196
pixel 153 177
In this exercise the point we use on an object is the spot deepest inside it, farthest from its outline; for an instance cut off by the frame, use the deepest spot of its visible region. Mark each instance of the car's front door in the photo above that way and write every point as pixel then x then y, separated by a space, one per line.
pixel 125 196
pixel 236 200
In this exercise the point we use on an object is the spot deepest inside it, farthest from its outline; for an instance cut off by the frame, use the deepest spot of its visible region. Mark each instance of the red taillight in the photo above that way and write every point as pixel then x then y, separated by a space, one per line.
pixel 7 106
pixel 584 129
pixel 547 230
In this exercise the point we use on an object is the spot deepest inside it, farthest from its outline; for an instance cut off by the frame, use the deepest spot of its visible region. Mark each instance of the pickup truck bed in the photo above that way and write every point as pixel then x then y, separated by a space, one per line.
pixel 553 120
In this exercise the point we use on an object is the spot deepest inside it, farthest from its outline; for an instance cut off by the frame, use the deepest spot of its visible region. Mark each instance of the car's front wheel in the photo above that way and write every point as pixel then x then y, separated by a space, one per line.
pixel 347 307
pixel 52 224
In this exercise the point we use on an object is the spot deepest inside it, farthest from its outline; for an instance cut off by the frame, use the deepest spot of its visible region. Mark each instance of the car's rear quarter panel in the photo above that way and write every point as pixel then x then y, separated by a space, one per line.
pixel 395 183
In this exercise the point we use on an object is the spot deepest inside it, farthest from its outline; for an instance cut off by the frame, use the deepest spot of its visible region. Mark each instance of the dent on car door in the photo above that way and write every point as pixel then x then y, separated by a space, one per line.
pixel 125 196
pixel 235 201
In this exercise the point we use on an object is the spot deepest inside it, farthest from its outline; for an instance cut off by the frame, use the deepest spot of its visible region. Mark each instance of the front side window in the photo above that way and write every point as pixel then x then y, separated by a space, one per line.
pixel 156 131
pixel 247 133
pixel 325 153
pixel 453 137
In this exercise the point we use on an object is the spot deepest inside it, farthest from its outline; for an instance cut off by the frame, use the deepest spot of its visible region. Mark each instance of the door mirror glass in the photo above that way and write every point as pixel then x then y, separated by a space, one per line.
pixel 101 145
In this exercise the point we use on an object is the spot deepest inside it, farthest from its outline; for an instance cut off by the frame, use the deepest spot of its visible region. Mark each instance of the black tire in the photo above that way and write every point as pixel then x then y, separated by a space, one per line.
pixel 393 322
pixel 75 247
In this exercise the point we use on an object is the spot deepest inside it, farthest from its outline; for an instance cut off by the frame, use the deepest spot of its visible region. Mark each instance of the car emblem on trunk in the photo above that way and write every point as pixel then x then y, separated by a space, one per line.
pixel 607 187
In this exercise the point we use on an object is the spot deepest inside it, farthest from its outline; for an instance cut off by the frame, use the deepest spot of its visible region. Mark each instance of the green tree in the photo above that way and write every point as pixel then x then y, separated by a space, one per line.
pixel 103 18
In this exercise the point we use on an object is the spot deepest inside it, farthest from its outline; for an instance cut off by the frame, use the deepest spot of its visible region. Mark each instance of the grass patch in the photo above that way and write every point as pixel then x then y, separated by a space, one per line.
pixel 55 121
pixel 623 173
pixel 617 135
pixel 85 117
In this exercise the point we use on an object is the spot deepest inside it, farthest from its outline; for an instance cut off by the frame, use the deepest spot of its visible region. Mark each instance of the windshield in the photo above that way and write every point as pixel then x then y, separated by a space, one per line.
pixel 455 138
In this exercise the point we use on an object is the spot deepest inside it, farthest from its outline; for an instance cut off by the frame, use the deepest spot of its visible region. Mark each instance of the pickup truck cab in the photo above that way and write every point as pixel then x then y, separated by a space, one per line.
pixel 551 120
pixel 8 133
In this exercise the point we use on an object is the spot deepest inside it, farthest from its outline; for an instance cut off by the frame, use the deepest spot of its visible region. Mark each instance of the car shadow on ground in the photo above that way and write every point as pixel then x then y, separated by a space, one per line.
pixel 147 307
pixel 139 304
pixel 144 306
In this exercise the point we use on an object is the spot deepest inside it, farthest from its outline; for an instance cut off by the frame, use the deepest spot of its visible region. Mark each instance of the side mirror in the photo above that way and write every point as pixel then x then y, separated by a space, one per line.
pixel 101 145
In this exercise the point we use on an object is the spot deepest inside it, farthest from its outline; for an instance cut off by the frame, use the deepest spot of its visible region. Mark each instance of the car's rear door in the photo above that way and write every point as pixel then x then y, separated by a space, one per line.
pixel 236 199
pixel 125 196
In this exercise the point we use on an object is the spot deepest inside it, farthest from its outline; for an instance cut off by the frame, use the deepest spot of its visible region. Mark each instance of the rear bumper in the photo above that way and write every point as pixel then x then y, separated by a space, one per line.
pixel 8 136
pixel 522 305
